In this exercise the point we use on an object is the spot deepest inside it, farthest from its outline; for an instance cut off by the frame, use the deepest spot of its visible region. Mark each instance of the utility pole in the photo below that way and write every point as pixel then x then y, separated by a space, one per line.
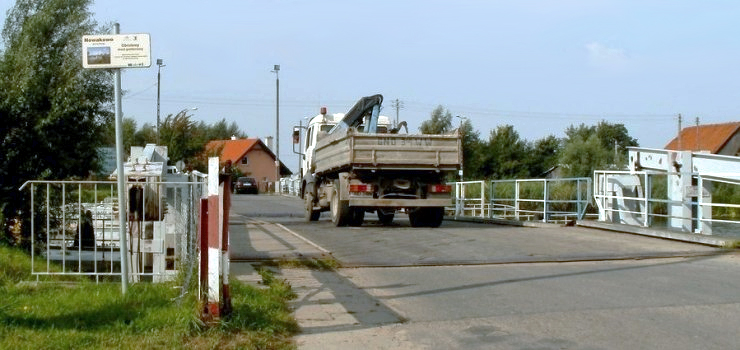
pixel 398 105
pixel 120 175
pixel 698 143
pixel 159 67
pixel 275 70
pixel 679 131
pixel 462 163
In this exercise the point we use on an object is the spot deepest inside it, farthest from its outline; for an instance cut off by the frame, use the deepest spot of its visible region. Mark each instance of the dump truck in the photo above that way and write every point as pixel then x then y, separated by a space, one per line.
pixel 357 163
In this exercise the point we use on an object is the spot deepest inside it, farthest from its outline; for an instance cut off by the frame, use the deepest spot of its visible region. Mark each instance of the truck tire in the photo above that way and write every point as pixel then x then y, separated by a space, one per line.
pixel 385 218
pixel 426 217
pixel 311 213
pixel 340 213
pixel 357 217
pixel 435 215
pixel 417 217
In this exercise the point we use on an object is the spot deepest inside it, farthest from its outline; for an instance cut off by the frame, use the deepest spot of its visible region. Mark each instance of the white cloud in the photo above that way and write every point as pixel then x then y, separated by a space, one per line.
pixel 602 56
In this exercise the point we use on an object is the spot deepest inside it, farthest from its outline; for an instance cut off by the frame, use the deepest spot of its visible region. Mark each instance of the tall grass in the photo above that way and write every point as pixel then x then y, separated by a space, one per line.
pixel 150 316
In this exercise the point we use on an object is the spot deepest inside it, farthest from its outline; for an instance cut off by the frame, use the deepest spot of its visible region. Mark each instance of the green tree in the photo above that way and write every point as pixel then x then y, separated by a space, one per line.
pixel 614 137
pixel 221 130
pixel 543 155
pixel 180 134
pixel 580 157
pixel 53 111
pixel 440 122
pixel 471 150
pixel 504 156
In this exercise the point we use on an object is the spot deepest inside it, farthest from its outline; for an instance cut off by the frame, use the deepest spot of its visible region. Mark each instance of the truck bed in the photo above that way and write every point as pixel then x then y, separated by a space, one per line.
pixel 354 150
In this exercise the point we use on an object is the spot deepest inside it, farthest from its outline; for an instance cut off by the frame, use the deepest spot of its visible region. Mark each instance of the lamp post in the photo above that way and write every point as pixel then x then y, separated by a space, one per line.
pixel 276 70
pixel 159 68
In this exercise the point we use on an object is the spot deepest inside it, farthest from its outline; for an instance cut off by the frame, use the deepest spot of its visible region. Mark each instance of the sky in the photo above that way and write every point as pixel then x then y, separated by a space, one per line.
pixel 538 65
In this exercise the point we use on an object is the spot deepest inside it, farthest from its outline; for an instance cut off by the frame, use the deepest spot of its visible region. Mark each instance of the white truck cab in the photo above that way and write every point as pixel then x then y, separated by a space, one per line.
pixel 319 126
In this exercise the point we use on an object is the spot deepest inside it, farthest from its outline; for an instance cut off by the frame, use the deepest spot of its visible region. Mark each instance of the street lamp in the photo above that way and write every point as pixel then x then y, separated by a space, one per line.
pixel 159 67
pixel 276 70
pixel 462 164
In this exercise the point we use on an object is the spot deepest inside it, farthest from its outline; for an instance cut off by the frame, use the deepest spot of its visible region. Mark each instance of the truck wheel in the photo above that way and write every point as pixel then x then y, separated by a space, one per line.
pixel 417 217
pixel 435 216
pixel 357 217
pixel 385 218
pixel 311 214
pixel 340 213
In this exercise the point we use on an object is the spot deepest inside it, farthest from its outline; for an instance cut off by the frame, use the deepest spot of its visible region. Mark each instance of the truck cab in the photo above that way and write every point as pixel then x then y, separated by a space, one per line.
pixel 318 127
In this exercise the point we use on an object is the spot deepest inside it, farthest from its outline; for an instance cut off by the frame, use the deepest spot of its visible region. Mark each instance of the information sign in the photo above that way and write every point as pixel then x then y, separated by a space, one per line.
pixel 116 51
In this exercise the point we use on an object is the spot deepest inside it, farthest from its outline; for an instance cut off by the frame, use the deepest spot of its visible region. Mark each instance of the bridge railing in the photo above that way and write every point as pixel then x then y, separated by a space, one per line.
pixel 710 205
pixel 546 200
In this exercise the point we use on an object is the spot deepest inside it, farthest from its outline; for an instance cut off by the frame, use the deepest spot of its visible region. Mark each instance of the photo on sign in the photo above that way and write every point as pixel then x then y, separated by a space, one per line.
pixel 98 55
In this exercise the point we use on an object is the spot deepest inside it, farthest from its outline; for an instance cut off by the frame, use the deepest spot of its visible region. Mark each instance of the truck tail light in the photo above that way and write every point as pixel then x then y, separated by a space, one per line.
pixel 360 188
pixel 440 188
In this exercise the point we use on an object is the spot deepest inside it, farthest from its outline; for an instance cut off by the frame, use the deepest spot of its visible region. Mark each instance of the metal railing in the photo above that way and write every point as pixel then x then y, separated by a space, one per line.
pixel 74 224
pixel 547 200
pixel 291 185
pixel 710 206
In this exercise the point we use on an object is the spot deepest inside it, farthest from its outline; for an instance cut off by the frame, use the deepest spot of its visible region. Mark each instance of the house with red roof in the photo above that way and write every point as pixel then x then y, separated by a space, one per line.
pixel 251 156
pixel 721 139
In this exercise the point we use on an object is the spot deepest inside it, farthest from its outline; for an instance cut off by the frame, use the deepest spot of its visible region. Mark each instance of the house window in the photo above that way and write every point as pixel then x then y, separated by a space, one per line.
pixel 245 160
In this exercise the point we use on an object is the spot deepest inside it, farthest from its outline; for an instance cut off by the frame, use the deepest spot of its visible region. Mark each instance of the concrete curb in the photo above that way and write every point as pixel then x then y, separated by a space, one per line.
pixel 501 221
pixel 715 241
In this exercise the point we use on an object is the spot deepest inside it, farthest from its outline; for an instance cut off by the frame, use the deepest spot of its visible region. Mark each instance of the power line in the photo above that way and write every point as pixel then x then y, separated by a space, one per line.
pixel 398 105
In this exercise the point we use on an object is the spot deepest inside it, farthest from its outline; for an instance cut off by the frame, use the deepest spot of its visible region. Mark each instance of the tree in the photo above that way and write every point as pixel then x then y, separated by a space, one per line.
pixel 53 111
pixel 471 150
pixel 611 140
pixel 543 155
pixel 221 130
pixel 439 123
pixel 180 135
pixel 580 157
pixel 505 154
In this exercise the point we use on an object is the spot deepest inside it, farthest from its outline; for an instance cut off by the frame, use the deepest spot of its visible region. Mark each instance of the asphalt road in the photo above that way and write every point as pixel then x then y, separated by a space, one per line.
pixel 478 286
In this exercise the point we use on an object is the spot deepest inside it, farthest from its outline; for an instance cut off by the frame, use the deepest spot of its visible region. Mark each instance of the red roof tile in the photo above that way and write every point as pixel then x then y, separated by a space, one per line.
pixel 234 150
pixel 710 137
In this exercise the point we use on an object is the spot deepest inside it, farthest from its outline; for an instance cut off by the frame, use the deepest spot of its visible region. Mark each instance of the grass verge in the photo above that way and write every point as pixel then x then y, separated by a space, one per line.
pixel 96 316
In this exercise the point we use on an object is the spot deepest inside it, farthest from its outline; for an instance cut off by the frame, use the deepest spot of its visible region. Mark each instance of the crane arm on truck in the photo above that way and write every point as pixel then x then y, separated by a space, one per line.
pixel 369 105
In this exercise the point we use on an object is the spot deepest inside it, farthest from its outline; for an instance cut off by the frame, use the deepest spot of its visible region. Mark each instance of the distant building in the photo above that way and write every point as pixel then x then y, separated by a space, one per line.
pixel 721 139
pixel 251 156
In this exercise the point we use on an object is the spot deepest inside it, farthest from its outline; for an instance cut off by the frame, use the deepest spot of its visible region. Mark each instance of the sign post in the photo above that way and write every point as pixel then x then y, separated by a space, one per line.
pixel 118 51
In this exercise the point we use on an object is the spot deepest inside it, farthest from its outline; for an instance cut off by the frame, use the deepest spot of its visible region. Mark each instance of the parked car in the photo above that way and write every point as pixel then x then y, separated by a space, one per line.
pixel 246 185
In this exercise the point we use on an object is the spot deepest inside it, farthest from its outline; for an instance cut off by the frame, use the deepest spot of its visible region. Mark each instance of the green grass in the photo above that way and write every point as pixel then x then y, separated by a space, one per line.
pixel 97 316
pixel 321 264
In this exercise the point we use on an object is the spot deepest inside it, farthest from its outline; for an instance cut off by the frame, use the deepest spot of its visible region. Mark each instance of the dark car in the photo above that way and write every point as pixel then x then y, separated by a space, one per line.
pixel 246 185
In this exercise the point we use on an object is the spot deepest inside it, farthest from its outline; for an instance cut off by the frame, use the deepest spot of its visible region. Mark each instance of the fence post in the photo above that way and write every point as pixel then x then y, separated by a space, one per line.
pixel 225 196
pixel 211 252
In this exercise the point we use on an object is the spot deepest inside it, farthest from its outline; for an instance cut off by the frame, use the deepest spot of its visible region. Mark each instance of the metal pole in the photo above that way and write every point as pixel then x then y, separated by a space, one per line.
pixel 277 127
pixel 159 68
pixel 120 175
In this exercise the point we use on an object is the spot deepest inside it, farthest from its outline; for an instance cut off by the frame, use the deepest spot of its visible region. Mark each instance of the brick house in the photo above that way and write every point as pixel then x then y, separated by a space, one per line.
pixel 252 157
pixel 721 139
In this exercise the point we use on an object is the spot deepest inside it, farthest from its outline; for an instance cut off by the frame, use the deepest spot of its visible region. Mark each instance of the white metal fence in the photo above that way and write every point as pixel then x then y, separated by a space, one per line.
pixel 291 185
pixel 710 206
pixel 75 224
pixel 547 200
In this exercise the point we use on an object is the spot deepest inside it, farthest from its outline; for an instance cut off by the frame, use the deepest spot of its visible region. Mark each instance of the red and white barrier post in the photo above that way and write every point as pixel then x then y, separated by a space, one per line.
pixel 214 245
